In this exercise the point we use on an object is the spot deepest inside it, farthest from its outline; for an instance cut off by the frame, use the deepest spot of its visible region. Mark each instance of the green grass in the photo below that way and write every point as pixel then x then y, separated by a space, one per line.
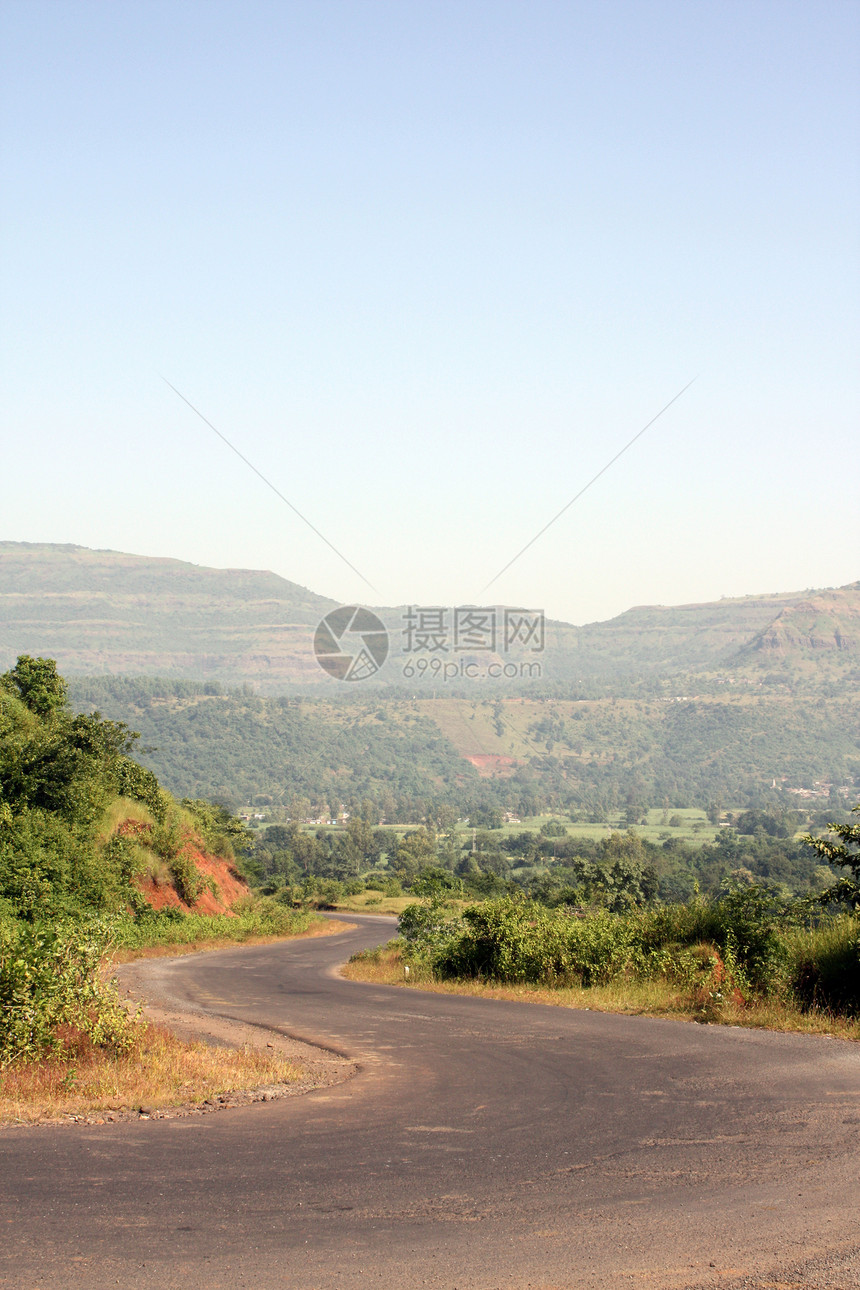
pixel 255 918
pixel 695 828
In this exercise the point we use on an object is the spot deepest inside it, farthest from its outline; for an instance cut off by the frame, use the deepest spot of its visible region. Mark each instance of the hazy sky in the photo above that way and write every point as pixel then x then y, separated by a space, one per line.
pixel 429 266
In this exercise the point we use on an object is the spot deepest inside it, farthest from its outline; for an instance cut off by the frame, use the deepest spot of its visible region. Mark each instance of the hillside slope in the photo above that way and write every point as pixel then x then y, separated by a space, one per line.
pixel 109 613
pixel 101 612
pixel 510 751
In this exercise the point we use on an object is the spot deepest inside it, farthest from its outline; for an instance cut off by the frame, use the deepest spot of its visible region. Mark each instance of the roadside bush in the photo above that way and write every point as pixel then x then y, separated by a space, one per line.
pixel 752 920
pixel 508 940
pixel 425 928
pixel 321 893
pixel 747 923
pixel 49 868
pixel 254 917
pixel 50 983
pixel 737 942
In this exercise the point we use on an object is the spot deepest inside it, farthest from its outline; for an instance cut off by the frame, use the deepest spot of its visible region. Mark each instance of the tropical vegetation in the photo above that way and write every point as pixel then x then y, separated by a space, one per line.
pixel 82 828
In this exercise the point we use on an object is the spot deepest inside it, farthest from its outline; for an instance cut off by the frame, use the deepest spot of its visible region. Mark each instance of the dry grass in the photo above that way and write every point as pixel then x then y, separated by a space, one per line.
pixel 374 902
pixel 160 1071
pixel 649 998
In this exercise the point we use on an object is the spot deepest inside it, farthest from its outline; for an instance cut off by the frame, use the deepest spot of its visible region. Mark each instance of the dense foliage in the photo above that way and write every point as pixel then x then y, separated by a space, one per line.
pixel 58 774
pixel 408 757
pixel 236 747
pixel 618 871
pixel 50 989
pixel 842 848
pixel 79 821
pixel 747 943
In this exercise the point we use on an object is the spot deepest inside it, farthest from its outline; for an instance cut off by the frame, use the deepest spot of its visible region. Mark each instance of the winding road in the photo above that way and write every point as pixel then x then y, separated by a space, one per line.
pixel 481 1145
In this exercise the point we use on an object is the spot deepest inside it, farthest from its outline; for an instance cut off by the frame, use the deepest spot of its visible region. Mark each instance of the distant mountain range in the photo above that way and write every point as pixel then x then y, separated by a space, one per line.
pixel 110 613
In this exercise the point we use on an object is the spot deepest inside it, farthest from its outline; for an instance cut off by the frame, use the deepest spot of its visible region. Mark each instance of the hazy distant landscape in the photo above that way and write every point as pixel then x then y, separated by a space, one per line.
pixel 739 702
pixel 108 613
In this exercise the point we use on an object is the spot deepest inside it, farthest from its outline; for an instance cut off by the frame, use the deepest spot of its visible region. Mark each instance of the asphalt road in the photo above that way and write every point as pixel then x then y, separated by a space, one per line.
pixel 482 1144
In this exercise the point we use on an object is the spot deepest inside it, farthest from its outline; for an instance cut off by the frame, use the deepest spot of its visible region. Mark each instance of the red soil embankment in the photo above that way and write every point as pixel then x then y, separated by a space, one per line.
pixel 229 886
pixel 488 764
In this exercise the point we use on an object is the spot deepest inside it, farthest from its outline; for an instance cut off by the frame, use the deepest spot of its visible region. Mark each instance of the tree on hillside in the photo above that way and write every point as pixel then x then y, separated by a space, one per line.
pixel 842 850
pixel 38 684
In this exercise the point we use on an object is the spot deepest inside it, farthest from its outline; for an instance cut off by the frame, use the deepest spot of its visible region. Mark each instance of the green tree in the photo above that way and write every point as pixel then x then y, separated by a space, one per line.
pixel 415 851
pixel 842 850
pixel 38 684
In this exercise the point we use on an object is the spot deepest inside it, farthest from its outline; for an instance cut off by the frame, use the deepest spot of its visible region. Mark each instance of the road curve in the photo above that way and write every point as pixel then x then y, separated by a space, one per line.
pixel 482 1144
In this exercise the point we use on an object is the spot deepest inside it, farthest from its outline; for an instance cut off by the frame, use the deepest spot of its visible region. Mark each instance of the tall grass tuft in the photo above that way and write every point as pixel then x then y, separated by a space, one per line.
pixel 825 965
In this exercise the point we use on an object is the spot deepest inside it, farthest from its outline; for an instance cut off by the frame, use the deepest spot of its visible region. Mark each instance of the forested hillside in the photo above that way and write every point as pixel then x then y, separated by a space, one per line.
pixel 594 756
pixel 239 746
pixel 743 702
pixel 84 829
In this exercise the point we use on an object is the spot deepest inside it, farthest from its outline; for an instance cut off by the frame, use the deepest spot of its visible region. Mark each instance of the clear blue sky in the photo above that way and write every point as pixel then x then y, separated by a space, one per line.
pixel 429 265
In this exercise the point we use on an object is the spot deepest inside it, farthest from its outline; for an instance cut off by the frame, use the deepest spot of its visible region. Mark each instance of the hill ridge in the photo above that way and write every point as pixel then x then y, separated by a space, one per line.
pixel 104 612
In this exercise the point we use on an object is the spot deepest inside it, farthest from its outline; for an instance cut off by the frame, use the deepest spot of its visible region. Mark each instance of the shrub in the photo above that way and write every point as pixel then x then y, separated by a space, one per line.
pixel 189 881
pixel 139 784
pixel 49 981
pixel 508 940
pixel 254 917
pixel 427 926
pixel 751 919
pixel 746 923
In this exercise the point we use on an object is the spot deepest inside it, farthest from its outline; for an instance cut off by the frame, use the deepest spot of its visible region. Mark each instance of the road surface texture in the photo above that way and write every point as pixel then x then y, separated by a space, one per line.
pixel 480 1145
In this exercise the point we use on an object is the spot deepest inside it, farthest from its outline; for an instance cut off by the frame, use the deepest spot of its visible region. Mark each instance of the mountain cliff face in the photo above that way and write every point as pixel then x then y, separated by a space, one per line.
pixel 105 612
pixel 109 613
pixel 681 637
pixel 827 620
pixel 802 634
